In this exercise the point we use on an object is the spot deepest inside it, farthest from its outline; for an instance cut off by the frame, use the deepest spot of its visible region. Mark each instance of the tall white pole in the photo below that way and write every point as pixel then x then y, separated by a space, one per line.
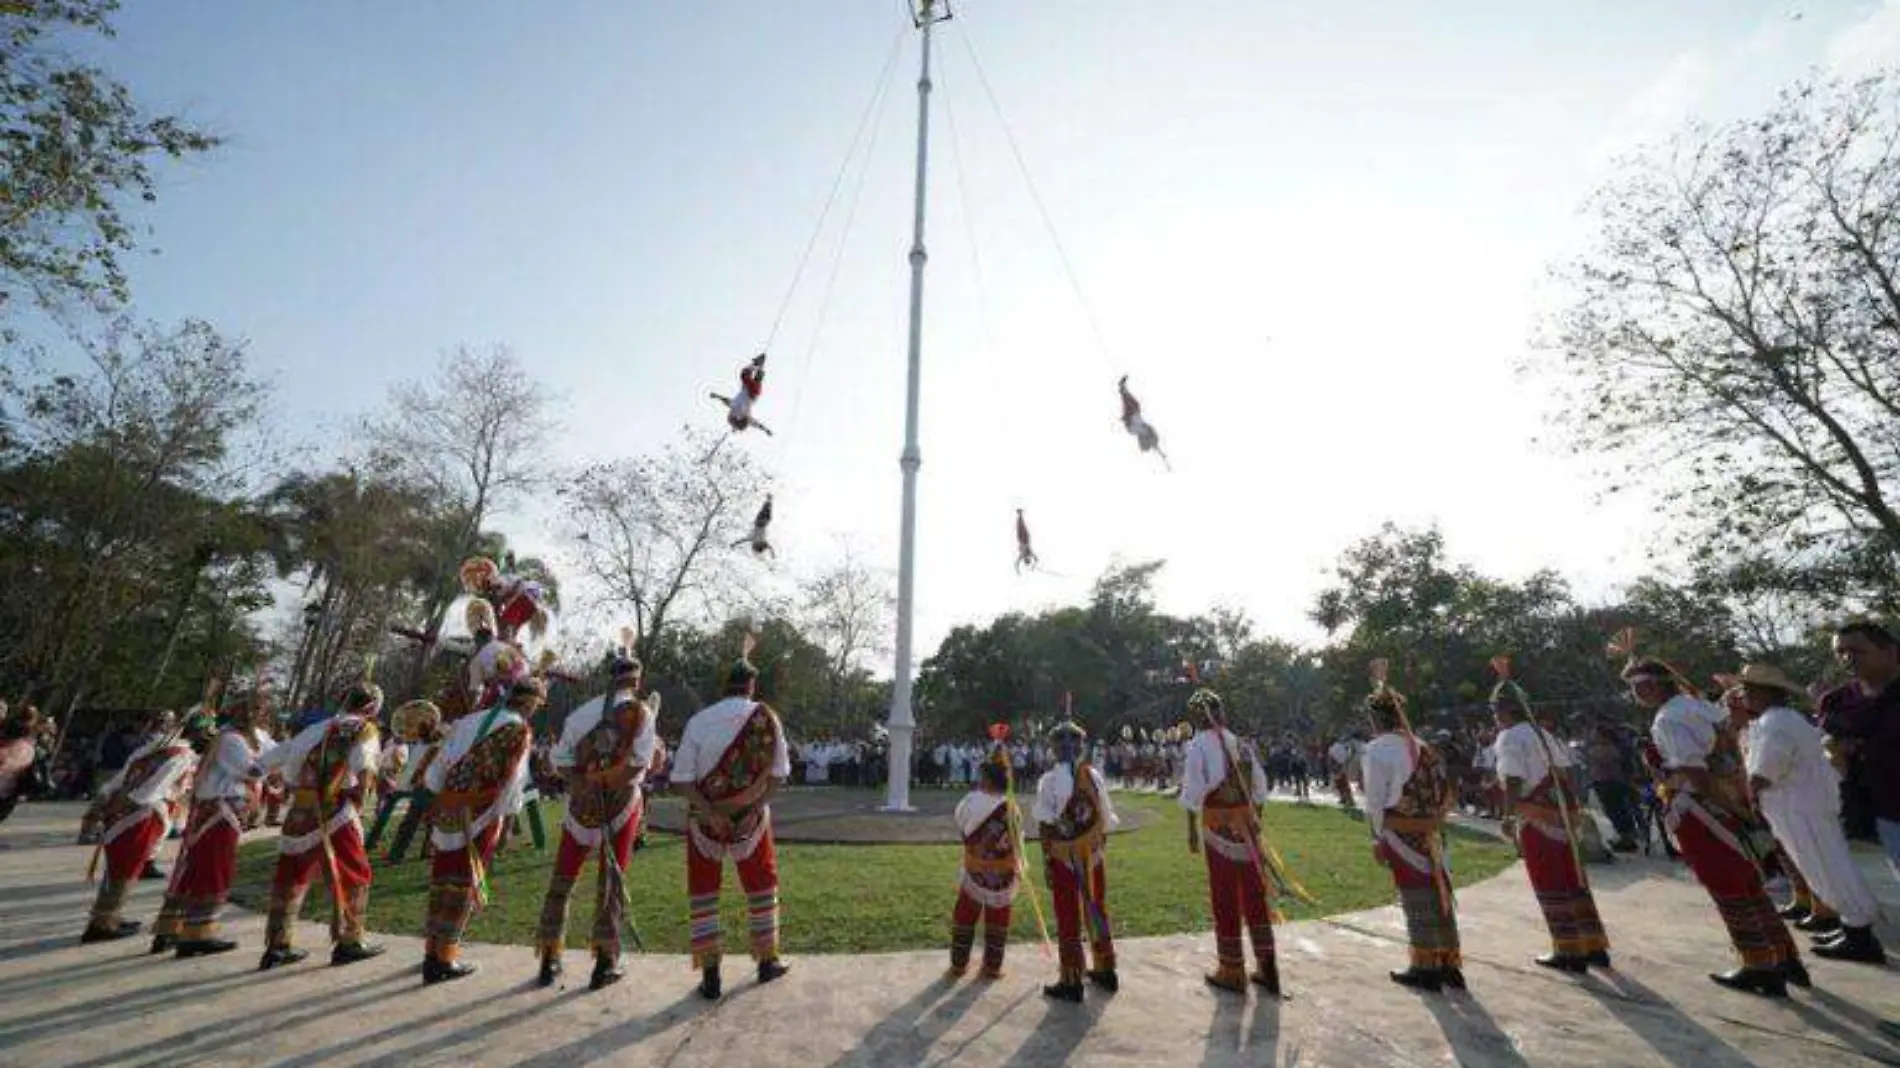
pixel 902 722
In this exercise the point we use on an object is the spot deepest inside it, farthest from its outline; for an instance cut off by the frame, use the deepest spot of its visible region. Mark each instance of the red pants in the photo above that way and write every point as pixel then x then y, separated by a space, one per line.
pixel 1066 900
pixel 348 883
pixel 1761 940
pixel 963 933
pixel 758 874
pixel 125 859
pixel 452 892
pixel 1238 892
pixel 1570 910
pixel 609 908
pixel 201 882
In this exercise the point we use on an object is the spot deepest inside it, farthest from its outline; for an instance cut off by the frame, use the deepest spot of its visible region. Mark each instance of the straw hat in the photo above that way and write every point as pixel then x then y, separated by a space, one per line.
pixel 1769 677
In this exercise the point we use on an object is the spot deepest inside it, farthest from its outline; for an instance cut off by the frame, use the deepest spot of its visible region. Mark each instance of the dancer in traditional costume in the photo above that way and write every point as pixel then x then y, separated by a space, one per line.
pixel 604 752
pixel 1706 809
pixel 420 724
pixel 1074 816
pixel 1407 793
pixel 1145 435
pixel 1344 755
pixel 1546 813
pixel 477 785
pixel 739 405
pixel 133 813
pixel 992 859
pixel 1025 555
pixel 225 798
pixel 1799 793
pixel 516 601
pixel 760 539
pixel 731 760
pixel 330 766
pixel 1223 783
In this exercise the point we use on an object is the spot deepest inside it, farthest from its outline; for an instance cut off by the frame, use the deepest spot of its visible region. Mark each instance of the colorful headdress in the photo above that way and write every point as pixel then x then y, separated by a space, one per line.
pixel 480 617
pixel 478 574
pixel 1507 686
pixel 622 663
pixel 365 698
pixel 1068 730
pixel 1207 704
pixel 996 766
pixel 527 686
pixel 1384 701
pixel 743 671
pixel 1639 668
pixel 415 720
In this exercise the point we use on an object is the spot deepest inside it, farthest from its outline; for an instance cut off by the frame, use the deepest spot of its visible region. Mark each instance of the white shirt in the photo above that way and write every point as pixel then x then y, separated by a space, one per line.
pixel 290 755
pixel 1785 749
pixel 585 718
pixel 1055 787
pixel 1205 765
pixel 226 769
pixel 1524 751
pixel 1684 731
pixel 158 787
pixel 975 807
pixel 711 731
pixel 1389 765
pixel 406 778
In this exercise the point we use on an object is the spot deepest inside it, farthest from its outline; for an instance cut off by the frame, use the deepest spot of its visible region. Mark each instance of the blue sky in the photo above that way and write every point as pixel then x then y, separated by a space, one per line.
pixel 1315 234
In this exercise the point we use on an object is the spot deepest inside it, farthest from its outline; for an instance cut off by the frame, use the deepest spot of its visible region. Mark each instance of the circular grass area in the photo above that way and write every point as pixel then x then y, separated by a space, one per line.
pixel 872 898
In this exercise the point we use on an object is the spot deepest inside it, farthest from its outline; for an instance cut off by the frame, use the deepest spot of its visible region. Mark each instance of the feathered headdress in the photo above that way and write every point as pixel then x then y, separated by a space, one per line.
pixel 1636 667
pixel 365 698
pixel 743 670
pixel 478 573
pixel 1383 697
pixel 480 617
pixel 1508 686
pixel 1205 702
pixel 623 663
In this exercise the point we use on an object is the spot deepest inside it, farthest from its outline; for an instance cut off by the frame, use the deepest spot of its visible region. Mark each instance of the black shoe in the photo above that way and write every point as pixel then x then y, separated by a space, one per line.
pixel 772 969
pixel 442 971
pixel 1599 958
pixel 1267 977
pixel 1454 978
pixel 1796 973
pixel 1563 962
pixel 1623 845
pixel 1064 992
pixel 162 944
pixel 125 929
pixel 709 983
pixel 204 947
pixel 1427 979
pixel 551 969
pixel 607 972
pixel 151 872
pixel 1857 944
pixel 1815 925
pixel 1793 913
pixel 1106 979
pixel 351 952
pixel 1763 981
pixel 279 956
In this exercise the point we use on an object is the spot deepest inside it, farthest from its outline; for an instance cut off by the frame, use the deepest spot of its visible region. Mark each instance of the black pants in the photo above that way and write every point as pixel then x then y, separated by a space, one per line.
pixel 1619 803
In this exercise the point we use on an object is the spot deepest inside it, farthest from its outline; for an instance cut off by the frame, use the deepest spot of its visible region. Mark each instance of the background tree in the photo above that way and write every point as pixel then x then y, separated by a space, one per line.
pixel 1733 338
pixel 74 147
pixel 125 541
pixel 656 533
pixel 847 611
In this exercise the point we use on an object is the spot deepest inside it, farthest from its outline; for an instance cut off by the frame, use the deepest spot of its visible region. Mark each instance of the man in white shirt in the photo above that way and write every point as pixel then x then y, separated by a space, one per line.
pixel 329 766
pixel 1695 748
pixel 1074 813
pixel 605 749
pixel 1222 783
pixel 133 812
pixel 731 760
pixel 1533 771
pixel 986 885
pixel 1344 755
pixel 477 783
pixel 1407 793
pixel 223 796
pixel 1798 792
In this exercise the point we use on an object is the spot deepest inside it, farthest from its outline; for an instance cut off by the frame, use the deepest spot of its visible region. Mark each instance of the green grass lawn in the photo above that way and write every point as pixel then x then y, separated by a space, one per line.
pixel 868 898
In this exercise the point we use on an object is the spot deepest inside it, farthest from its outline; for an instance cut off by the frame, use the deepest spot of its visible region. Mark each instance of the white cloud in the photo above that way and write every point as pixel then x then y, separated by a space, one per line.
pixel 1872 42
